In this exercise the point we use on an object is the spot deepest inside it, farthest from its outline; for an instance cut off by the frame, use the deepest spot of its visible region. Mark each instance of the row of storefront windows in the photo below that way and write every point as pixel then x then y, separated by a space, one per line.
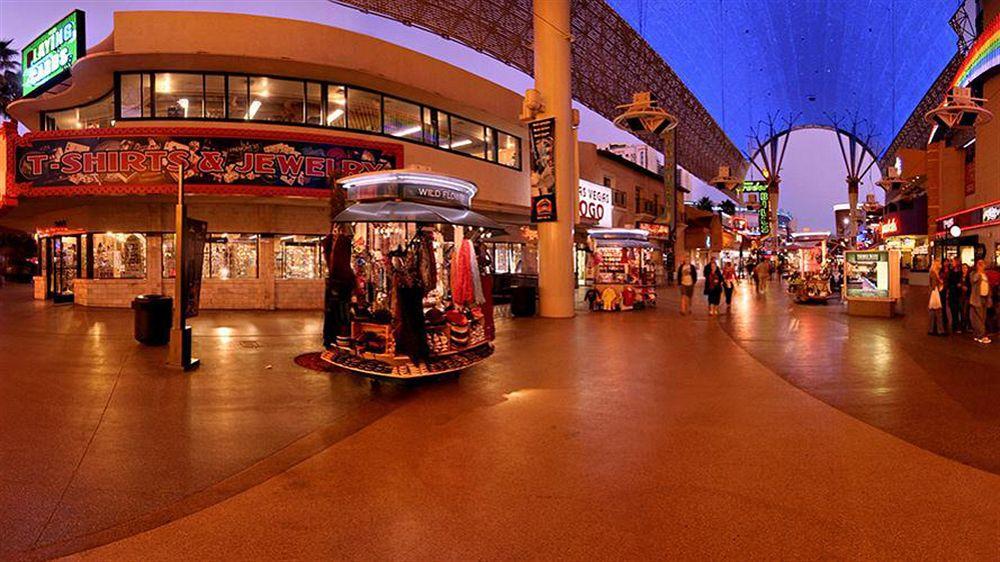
pixel 229 97
pixel 227 256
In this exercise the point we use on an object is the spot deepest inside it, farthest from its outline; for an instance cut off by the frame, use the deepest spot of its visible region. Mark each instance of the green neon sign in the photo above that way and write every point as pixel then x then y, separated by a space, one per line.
pixel 47 60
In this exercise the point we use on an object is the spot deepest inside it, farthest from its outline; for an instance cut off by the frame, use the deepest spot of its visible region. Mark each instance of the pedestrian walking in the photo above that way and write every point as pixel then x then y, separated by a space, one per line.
pixel 978 299
pixel 934 306
pixel 763 273
pixel 713 287
pixel 687 276
pixel 728 284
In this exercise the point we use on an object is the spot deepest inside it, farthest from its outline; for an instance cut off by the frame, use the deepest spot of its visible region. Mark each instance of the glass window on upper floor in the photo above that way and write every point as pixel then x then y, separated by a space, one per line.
pixel 364 110
pixel 508 150
pixel 215 96
pixel 273 99
pixel 179 96
pixel 100 113
pixel 402 119
pixel 314 103
pixel 336 106
pixel 443 122
pixel 468 137
pixel 239 89
pixel 136 95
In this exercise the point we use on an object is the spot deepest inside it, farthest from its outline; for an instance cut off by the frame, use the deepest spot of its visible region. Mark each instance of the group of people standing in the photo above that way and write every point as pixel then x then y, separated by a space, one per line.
pixel 718 282
pixel 960 299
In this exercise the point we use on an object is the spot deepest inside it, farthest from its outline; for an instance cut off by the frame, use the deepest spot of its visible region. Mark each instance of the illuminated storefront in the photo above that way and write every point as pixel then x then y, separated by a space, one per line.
pixel 970 235
pixel 260 130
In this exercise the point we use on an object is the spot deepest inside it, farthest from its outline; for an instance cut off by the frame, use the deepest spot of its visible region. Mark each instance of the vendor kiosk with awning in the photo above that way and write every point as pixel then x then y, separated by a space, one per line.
pixel 624 269
pixel 410 289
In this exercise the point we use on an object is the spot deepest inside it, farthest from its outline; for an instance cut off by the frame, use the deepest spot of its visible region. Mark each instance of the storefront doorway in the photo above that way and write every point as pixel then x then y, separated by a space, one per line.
pixel 63 266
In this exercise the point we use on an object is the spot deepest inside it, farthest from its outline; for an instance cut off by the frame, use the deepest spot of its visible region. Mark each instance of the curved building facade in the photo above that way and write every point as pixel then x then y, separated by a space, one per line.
pixel 260 115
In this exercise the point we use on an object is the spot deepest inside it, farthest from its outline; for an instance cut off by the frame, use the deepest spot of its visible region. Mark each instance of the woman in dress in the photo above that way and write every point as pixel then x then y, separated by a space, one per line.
pixel 713 287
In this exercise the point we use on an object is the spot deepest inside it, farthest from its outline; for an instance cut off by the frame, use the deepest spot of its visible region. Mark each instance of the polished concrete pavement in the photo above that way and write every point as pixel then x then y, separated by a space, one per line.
pixel 634 435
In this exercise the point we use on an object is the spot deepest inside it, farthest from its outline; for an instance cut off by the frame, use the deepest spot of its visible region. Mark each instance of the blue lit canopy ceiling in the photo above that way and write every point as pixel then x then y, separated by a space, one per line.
pixel 748 59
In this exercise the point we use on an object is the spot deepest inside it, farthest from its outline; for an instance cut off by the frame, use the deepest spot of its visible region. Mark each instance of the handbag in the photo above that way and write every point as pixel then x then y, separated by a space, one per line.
pixel 935 302
pixel 984 287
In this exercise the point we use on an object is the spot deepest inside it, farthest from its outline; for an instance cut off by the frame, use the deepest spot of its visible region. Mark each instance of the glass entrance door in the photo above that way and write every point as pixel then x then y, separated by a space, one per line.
pixel 63 266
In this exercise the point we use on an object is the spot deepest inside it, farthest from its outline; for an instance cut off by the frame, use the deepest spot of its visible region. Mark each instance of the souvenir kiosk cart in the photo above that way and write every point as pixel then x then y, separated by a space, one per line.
pixel 410 294
pixel 871 282
pixel 624 270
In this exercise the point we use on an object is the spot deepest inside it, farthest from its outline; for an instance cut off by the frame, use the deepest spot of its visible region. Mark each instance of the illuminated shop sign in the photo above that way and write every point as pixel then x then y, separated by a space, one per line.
pixel 890 226
pixel 595 204
pixel 656 231
pixel 47 60
pixel 116 161
pixel 764 210
pixel 411 186
pixel 970 219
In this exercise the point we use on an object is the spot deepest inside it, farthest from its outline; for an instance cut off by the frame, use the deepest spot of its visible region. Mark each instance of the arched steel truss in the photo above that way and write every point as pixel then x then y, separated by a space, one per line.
pixel 611 61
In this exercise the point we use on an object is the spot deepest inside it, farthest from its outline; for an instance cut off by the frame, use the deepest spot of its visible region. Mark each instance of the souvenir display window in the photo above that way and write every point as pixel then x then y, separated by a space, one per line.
pixel 119 255
pixel 231 256
pixel 299 257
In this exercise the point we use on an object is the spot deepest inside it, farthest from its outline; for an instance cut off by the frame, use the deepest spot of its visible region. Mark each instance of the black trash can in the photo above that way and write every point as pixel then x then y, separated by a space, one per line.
pixel 522 300
pixel 153 319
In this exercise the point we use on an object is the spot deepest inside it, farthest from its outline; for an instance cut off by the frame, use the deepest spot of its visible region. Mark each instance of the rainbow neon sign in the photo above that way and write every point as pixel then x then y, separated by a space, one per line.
pixel 983 56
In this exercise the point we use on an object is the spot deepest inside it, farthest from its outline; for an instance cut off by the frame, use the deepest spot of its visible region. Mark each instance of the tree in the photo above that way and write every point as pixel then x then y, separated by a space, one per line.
pixel 10 76
pixel 705 204
pixel 727 206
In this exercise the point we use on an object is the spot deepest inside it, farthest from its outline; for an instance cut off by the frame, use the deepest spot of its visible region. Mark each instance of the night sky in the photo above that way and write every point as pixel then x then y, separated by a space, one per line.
pixel 813 174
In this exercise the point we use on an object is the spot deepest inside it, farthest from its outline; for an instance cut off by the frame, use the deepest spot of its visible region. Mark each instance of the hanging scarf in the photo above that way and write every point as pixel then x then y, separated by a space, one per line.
pixel 477 283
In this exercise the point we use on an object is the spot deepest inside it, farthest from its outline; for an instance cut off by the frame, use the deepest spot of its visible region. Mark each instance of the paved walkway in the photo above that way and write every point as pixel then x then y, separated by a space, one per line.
pixel 636 435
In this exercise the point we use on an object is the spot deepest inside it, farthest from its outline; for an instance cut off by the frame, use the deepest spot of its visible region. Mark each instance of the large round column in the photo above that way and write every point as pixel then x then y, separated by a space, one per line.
pixel 553 81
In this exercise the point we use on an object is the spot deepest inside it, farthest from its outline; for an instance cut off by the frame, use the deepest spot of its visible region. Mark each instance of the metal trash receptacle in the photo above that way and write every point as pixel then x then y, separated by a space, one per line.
pixel 523 301
pixel 153 319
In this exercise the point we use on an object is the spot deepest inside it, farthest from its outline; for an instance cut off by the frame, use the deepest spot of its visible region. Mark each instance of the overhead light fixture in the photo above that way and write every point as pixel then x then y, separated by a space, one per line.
pixel 407 131
pixel 334 115
pixel 461 143
pixel 254 106
pixel 970 143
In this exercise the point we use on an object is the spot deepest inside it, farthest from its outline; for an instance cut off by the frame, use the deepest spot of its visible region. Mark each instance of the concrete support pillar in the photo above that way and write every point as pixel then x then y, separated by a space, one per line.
pixel 553 81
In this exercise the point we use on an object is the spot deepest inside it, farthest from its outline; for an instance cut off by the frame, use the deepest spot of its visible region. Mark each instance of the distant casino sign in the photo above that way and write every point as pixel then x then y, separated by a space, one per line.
pixel 131 160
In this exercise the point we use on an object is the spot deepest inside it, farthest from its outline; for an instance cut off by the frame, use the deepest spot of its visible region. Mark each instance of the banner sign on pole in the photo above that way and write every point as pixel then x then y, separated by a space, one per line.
pixel 193 254
pixel 542 135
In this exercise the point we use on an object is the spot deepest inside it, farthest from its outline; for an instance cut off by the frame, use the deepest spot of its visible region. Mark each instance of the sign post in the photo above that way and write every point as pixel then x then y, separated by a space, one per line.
pixel 184 282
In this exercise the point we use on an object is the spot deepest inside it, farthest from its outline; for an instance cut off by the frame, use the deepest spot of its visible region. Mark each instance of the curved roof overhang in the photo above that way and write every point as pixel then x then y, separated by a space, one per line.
pixel 208 41
pixel 611 61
